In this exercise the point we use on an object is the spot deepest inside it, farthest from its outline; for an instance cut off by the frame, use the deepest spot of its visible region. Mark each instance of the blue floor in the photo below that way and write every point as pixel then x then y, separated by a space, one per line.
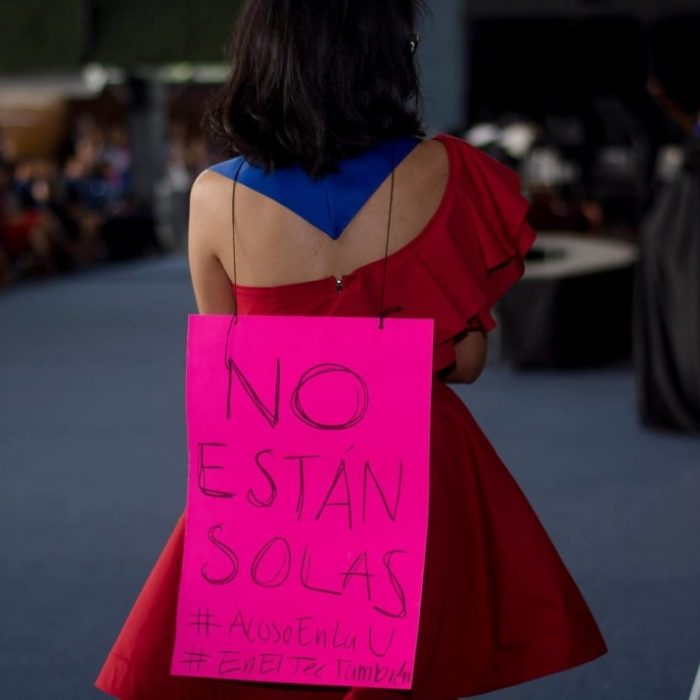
pixel 92 479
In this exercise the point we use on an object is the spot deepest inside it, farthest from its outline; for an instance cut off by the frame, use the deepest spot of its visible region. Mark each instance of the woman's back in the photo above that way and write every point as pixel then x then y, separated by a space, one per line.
pixel 498 605
pixel 276 246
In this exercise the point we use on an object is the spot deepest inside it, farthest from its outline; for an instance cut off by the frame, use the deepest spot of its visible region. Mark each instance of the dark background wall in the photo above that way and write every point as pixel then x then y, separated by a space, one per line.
pixel 37 35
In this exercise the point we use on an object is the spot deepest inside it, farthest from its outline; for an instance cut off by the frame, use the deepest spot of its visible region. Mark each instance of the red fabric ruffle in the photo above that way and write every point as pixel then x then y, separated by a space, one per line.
pixel 471 254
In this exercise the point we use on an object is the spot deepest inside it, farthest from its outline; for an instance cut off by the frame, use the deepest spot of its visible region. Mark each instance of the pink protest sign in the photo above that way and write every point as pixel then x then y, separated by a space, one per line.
pixel 307 499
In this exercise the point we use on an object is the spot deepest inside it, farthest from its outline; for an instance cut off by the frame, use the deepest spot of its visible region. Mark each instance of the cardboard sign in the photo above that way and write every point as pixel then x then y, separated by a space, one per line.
pixel 307 499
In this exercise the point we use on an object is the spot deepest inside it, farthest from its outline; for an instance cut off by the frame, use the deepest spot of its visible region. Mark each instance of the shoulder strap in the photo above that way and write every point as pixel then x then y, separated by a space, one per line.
pixel 383 311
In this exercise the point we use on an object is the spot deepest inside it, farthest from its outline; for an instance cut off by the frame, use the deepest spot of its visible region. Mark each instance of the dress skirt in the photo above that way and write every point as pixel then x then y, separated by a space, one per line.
pixel 499 606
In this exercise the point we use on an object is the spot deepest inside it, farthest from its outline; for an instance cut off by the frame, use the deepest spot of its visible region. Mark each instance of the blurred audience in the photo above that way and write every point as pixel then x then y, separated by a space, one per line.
pixel 67 212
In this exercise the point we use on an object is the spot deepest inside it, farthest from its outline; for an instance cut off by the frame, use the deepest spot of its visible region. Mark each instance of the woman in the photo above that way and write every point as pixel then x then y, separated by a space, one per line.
pixel 404 225
pixel 666 300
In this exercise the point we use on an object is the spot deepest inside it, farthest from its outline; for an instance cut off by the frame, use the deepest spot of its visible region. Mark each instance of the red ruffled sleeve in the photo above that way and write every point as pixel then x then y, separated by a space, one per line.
pixel 473 251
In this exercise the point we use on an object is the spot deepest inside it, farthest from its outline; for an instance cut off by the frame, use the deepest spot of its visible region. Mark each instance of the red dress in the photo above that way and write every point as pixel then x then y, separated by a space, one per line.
pixel 499 606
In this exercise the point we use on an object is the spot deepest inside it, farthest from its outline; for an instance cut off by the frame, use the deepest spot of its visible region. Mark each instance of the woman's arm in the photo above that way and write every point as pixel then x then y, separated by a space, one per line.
pixel 683 119
pixel 470 352
pixel 209 221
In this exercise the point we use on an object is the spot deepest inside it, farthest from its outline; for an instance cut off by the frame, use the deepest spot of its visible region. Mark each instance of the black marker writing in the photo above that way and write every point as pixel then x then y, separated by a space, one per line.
pixel 271 416
pixel 194 660
pixel 282 574
pixel 361 397
pixel 359 567
pixel 203 621
pixel 347 503
pixel 252 498
pixel 300 493
pixel 369 474
pixel 227 552
pixel 202 470
pixel 398 589
pixel 239 621
pixel 372 648
pixel 305 575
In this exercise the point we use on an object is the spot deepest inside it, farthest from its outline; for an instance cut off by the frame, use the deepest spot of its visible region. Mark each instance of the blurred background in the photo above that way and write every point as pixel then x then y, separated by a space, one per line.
pixel 592 393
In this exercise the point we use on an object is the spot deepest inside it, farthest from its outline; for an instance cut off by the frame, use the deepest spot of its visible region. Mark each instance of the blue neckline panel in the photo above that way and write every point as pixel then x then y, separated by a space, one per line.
pixel 330 203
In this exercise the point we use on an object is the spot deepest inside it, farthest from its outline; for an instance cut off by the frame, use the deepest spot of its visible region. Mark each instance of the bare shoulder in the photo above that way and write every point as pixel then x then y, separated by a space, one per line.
pixel 210 210
pixel 435 149
pixel 210 187
pixel 422 179
pixel 428 169
pixel 432 153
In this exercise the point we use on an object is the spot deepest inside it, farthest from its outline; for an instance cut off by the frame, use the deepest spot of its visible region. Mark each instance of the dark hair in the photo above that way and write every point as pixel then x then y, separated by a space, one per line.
pixel 315 81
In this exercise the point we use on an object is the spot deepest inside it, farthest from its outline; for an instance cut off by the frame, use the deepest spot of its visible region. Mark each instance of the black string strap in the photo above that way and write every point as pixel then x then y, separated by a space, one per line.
pixel 234 317
pixel 383 311
pixel 233 240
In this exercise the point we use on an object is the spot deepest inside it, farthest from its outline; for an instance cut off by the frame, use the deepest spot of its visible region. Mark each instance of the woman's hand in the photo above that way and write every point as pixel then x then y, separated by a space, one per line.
pixel 470 352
